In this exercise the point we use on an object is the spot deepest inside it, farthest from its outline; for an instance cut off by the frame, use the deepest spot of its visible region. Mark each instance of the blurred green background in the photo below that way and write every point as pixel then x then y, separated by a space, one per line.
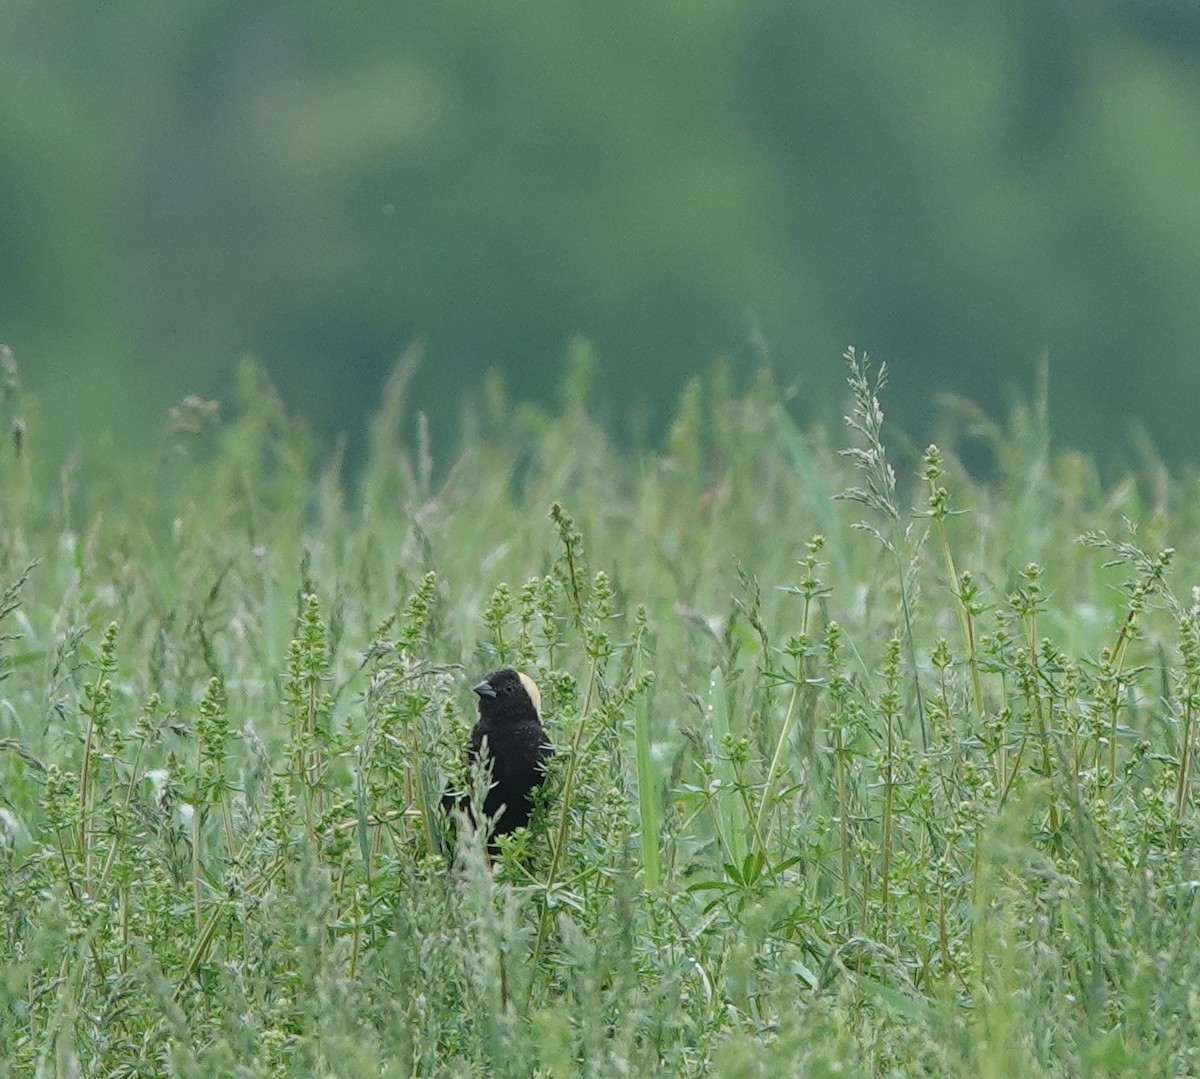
pixel 956 187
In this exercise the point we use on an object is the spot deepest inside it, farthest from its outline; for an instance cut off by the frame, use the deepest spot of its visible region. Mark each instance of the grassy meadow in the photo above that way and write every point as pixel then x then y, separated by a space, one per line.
pixel 864 767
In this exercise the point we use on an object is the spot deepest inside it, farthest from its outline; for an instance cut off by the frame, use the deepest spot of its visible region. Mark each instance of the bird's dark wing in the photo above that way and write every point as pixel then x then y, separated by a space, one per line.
pixel 475 745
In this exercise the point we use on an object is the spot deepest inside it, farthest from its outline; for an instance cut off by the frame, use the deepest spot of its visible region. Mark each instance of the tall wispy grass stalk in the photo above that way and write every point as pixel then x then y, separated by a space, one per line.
pixel 879 494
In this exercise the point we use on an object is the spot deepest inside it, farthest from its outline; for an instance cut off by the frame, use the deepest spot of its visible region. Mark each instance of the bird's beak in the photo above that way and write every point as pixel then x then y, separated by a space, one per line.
pixel 484 690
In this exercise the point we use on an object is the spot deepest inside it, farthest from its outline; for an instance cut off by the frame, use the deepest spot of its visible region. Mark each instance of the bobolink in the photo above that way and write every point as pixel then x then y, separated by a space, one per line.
pixel 510 725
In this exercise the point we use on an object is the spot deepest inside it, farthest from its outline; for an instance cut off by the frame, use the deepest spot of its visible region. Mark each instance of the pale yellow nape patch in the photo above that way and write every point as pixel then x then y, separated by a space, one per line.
pixel 531 688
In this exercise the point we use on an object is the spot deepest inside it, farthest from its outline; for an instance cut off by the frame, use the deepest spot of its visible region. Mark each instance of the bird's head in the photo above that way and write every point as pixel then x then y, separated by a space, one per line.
pixel 507 694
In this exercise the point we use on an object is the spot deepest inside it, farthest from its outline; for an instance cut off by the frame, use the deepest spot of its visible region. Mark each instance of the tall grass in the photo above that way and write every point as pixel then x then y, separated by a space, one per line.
pixel 895 783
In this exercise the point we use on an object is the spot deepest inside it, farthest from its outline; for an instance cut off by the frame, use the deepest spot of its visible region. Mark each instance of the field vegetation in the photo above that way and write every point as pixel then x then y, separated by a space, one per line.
pixel 864 766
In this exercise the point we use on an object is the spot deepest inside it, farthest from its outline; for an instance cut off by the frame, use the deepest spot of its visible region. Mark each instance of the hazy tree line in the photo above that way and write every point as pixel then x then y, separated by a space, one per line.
pixel 953 186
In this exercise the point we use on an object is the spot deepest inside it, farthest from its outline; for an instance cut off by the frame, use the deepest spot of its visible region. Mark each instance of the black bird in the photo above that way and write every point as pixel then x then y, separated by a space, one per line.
pixel 510 727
